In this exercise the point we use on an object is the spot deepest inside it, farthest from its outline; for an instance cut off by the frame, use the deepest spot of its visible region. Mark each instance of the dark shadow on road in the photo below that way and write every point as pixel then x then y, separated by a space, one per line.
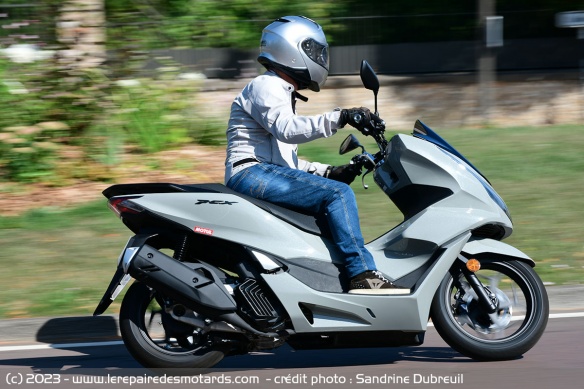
pixel 98 358
pixel 78 329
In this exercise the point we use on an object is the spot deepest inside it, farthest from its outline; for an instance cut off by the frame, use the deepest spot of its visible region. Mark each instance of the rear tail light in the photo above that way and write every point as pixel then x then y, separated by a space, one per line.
pixel 120 205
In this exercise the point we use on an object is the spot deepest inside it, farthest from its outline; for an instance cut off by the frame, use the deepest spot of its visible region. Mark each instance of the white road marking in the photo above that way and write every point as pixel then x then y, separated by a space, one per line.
pixel 60 346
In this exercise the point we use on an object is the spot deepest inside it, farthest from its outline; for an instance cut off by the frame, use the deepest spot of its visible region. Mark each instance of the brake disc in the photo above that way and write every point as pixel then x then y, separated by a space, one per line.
pixel 468 311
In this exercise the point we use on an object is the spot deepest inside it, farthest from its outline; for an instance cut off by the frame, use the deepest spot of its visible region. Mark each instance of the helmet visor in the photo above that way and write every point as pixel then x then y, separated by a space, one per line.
pixel 316 52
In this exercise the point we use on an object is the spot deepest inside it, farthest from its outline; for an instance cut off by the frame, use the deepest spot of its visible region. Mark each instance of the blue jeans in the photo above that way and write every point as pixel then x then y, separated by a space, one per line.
pixel 296 189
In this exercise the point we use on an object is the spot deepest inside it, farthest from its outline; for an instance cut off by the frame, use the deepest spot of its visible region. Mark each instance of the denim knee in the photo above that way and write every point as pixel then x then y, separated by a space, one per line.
pixel 343 190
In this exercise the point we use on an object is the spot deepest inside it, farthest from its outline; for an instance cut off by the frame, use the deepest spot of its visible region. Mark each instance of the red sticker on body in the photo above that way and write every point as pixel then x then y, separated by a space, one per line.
pixel 203 230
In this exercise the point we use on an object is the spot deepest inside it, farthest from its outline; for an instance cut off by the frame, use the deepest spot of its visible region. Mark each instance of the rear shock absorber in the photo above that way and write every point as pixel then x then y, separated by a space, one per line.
pixel 180 253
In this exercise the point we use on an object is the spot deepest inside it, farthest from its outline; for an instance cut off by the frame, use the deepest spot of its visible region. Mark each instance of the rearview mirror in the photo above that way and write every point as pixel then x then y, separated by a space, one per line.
pixel 368 77
pixel 349 144
pixel 369 80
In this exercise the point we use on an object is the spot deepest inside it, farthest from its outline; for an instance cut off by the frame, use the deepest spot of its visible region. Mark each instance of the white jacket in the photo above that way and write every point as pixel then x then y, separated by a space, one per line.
pixel 264 126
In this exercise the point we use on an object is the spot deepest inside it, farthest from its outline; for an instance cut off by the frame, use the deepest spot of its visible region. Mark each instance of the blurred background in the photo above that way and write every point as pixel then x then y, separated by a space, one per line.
pixel 95 92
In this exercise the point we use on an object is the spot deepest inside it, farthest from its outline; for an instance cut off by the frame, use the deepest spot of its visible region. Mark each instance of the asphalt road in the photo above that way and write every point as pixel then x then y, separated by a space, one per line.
pixel 557 362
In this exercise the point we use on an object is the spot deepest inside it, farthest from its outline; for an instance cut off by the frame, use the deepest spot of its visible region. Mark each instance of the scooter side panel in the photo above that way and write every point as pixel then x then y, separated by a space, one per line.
pixel 349 312
pixel 232 218
pixel 333 312
pixel 397 256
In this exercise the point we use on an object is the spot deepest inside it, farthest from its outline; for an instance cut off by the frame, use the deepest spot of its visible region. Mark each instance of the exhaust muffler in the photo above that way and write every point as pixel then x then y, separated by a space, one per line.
pixel 194 285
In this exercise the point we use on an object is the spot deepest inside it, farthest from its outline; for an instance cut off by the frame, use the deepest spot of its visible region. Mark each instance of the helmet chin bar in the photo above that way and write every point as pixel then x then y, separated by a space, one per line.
pixel 300 76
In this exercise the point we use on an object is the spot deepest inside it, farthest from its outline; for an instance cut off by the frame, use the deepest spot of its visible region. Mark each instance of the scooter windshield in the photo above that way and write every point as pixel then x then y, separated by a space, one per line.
pixel 424 132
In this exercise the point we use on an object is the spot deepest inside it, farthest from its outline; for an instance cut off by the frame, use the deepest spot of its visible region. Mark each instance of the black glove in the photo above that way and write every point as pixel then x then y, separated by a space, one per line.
pixel 344 173
pixel 355 117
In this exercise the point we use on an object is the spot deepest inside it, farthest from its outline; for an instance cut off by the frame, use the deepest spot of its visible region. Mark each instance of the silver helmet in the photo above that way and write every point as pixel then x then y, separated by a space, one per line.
pixel 296 46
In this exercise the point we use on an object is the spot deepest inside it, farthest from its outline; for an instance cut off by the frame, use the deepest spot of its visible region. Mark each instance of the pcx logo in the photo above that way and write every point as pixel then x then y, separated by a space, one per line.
pixel 215 202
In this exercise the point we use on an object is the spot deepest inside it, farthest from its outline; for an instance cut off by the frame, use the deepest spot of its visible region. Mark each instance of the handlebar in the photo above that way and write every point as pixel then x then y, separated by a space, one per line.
pixel 364 160
pixel 376 123
pixel 376 129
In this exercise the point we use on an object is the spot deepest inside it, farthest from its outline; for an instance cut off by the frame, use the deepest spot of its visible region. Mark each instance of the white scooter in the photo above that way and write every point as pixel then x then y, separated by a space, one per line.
pixel 220 273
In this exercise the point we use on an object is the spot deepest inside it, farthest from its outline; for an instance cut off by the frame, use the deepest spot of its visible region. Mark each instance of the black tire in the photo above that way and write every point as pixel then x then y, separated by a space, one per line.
pixel 177 350
pixel 467 328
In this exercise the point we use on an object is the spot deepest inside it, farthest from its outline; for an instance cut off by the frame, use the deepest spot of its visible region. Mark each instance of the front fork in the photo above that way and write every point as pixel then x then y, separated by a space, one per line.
pixel 486 298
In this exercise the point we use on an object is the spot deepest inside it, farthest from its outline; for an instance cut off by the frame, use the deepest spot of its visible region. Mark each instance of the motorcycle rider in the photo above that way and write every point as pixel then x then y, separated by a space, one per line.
pixel 263 133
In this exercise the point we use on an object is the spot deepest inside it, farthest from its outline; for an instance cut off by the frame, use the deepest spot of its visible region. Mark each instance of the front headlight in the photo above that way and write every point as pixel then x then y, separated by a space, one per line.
pixel 495 196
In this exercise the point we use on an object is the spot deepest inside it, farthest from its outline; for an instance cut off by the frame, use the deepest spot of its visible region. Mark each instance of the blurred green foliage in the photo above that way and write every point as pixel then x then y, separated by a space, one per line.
pixel 207 23
pixel 59 124
pixel 96 119
pixel 44 106
pixel 237 23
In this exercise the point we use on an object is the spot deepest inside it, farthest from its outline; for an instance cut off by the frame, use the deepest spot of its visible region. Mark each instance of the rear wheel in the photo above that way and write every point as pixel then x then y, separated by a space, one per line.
pixel 513 329
pixel 156 340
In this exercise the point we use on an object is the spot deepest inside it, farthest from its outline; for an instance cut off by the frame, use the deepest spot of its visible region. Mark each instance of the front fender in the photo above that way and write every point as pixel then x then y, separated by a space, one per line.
pixel 483 248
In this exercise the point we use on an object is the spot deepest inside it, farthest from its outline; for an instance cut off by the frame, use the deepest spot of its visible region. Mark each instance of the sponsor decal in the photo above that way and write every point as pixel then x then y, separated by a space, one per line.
pixel 203 230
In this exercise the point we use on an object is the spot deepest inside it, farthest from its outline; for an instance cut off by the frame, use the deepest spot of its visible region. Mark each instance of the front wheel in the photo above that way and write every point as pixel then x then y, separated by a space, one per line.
pixel 156 340
pixel 509 332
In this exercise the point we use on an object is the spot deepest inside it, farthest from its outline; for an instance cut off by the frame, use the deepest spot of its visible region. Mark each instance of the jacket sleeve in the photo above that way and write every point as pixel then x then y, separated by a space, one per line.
pixel 272 109
pixel 316 168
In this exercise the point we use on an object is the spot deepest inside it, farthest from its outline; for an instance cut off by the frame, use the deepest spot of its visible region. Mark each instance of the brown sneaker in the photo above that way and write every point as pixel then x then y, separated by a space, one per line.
pixel 373 282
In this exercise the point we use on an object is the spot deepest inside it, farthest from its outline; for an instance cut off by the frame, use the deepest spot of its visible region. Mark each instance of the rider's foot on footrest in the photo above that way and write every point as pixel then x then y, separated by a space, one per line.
pixel 373 282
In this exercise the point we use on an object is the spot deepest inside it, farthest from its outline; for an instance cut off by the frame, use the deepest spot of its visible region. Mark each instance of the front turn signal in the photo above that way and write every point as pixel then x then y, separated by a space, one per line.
pixel 473 265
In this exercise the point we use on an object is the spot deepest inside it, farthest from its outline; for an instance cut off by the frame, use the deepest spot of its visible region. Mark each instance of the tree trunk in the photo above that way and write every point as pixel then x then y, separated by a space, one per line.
pixel 81 27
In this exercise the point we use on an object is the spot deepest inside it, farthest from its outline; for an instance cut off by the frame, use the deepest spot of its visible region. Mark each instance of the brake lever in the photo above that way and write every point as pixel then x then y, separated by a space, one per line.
pixel 369 164
pixel 365 186
pixel 367 161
